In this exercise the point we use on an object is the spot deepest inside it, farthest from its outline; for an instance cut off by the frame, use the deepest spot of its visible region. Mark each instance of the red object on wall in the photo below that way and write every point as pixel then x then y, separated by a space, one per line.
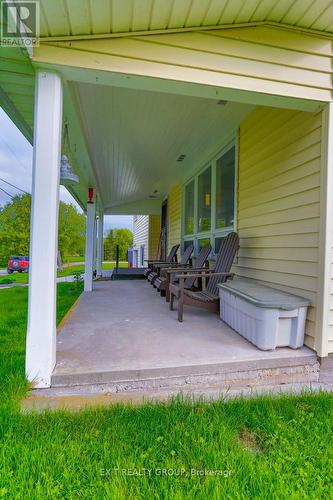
pixel 90 195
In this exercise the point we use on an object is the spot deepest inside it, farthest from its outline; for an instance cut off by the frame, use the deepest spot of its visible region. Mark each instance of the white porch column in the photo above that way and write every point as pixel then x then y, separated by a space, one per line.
pixel 90 241
pixel 95 244
pixel 100 244
pixel 41 333
pixel 326 231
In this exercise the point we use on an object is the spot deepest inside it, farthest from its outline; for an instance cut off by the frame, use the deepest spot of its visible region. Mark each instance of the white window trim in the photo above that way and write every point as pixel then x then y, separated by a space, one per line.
pixel 213 233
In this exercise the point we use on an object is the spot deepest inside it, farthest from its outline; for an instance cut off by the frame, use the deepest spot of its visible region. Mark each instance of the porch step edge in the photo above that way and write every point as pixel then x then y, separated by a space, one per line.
pixel 306 369
pixel 78 398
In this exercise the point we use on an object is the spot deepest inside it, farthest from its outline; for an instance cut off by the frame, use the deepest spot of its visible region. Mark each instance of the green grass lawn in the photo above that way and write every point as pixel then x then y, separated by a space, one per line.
pixel 73 258
pixel 67 271
pixel 264 448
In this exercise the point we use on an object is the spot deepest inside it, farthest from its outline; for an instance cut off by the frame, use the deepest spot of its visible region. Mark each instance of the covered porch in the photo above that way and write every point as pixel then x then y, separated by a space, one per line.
pixel 122 337
pixel 225 146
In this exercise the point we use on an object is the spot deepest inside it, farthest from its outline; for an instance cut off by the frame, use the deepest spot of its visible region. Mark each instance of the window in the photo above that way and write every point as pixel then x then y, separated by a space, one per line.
pixel 187 243
pixel 218 242
pixel 205 200
pixel 189 208
pixel 204 242
pixel 142 256
pixel 225 189
pixel 209 200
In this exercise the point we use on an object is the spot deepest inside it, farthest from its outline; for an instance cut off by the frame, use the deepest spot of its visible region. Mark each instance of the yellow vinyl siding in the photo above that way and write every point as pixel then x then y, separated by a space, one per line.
pixel 262 59
pixel 174 216
pixel 279 202
pixel 154 236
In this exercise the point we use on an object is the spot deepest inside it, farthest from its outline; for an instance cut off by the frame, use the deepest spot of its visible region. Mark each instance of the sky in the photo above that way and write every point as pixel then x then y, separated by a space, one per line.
pixel 16 168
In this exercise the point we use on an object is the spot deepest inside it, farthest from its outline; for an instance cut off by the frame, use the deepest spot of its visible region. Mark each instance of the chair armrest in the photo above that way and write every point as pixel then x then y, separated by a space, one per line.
pixel 202 274
pixel 193 269
pixel 165 265
pixel 154 261
pixel 174 269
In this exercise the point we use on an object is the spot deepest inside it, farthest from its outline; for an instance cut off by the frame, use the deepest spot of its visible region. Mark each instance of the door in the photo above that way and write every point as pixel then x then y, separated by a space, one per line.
pixel 142 256
pixel 164 230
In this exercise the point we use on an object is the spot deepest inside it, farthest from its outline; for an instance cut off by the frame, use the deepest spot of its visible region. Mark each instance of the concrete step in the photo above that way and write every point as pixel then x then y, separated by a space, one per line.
pixel 231 374
pixel 76 398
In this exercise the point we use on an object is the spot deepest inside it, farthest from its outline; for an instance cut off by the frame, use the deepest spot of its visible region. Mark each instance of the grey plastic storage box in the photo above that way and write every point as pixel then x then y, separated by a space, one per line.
pixel 263 315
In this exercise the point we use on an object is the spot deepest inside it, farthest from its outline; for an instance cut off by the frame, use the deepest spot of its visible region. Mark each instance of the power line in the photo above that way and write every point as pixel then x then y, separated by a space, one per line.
pixel 10 195
pixel 12 151
pixel 12 185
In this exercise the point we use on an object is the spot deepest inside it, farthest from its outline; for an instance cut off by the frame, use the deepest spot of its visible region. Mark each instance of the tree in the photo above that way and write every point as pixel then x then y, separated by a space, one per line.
pixel 71 232
pixel 121 237
pixel 15 228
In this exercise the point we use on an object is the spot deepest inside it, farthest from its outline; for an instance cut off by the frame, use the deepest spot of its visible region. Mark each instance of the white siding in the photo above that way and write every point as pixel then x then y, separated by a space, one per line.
pixel 141 234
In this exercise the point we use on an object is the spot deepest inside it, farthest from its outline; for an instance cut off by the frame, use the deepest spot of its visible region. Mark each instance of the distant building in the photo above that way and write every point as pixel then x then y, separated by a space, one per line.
pixel 146 238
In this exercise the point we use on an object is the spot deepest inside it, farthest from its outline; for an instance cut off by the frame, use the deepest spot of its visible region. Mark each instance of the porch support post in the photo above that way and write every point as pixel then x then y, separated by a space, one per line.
pixel 90 240
pixel 41 332
pixel 100 244
pixel 326 231
pixel 95 243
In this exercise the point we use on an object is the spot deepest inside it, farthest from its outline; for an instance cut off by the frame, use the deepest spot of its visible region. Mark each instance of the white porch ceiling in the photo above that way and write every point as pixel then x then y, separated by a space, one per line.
pixel 134 138
pixel 96 17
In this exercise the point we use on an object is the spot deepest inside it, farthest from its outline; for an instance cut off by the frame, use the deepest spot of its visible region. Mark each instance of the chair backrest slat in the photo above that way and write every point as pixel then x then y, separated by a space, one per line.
pixel 224 260
pixel 199 262
pixel 172 254
pixel 186 255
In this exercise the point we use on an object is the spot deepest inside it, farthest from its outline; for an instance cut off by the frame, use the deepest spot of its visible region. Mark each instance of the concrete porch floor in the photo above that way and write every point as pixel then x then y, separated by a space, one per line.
pixel 124 331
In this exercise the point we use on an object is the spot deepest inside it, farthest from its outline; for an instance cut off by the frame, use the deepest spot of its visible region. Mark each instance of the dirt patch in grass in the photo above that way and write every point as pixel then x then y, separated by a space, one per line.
pixel 249 441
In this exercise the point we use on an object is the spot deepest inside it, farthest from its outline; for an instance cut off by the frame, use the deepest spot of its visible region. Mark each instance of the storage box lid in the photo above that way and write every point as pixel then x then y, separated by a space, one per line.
pixel 263 296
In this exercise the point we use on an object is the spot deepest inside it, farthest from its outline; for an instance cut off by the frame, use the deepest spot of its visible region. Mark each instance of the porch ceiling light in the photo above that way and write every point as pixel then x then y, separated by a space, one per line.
pixel 67 176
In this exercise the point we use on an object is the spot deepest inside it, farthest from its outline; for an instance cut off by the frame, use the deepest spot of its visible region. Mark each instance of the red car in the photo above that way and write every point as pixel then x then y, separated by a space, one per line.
pixel 19 264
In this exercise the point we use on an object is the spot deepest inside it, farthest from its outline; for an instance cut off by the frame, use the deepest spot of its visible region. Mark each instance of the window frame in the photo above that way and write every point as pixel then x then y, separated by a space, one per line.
pixel 214 232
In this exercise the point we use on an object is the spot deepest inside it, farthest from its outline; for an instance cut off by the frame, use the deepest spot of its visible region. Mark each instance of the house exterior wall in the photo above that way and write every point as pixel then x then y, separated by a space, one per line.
pixel 154 236
pixel 174 216
pixel 279 150
pixel 279 202
pixel 269 60
pixel 278 205
pixel 141 235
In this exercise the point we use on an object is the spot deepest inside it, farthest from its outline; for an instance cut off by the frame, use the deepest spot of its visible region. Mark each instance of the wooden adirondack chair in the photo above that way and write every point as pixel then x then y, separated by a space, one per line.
pixel 170 258
pixel 189 282
pixel 162 280
pixel 208 298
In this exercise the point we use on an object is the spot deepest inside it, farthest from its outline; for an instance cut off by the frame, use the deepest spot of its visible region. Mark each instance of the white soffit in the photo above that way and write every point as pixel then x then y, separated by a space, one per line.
pixel 134 138
pixel 65 18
